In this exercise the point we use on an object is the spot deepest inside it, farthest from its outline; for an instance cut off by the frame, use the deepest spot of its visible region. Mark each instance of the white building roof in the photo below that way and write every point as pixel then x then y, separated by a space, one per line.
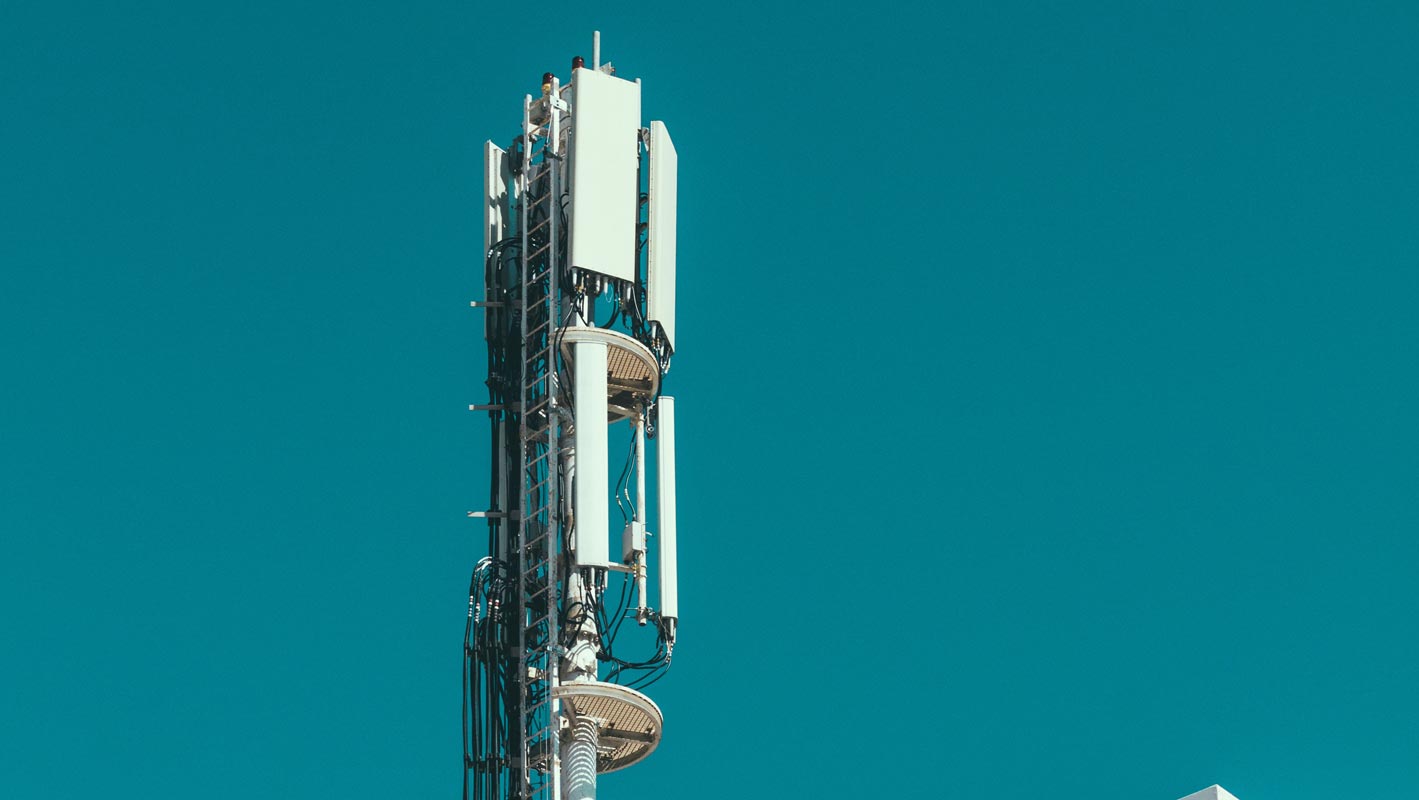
pixel 1211 793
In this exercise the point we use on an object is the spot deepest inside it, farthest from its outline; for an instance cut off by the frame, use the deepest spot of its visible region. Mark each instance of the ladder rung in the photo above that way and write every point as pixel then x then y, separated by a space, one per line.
pixel 539 251
pixel 533 543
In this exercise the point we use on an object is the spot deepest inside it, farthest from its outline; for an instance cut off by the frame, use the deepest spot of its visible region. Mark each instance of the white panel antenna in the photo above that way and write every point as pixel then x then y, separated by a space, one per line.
pixel 496 212
pixel 660 270
pixel 592 508
pixel 605 158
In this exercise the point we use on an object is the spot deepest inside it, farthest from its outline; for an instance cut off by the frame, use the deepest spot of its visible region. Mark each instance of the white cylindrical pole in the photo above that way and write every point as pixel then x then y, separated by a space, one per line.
pixel 579 760
pixel 640 468
pixel 596 49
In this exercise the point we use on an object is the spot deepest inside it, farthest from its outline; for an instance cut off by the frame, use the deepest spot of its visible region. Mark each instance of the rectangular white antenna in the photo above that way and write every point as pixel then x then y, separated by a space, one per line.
pixel 605 158
pixel 496 207
pixel 660 277
pixel 592 508
pixel 665 445
pixel 495 195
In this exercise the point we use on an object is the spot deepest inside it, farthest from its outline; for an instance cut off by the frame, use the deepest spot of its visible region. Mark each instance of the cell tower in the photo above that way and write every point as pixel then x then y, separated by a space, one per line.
pixel 579 283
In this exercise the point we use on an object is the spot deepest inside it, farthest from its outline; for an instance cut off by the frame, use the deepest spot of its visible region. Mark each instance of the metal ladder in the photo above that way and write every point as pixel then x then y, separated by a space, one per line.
pixel 537 773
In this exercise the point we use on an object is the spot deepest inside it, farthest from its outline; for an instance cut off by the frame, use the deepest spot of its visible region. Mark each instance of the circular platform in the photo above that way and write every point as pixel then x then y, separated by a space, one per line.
pixel 630 723
pixel 632 372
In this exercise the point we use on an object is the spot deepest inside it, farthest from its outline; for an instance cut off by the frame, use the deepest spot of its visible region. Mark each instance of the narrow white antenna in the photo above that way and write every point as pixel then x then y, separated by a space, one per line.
pixel 665 438
pixel 596 49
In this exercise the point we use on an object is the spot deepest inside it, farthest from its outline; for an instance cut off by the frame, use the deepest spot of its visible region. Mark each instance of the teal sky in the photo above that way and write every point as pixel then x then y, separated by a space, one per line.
pixel 1047 389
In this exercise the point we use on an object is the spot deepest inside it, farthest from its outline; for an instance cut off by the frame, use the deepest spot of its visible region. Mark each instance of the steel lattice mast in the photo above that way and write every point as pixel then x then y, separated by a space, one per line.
pixel 579 280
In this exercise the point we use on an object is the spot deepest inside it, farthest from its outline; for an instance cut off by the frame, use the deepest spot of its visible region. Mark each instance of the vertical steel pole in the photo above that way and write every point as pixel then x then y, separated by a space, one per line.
pixel 579 753
pixel 640 517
